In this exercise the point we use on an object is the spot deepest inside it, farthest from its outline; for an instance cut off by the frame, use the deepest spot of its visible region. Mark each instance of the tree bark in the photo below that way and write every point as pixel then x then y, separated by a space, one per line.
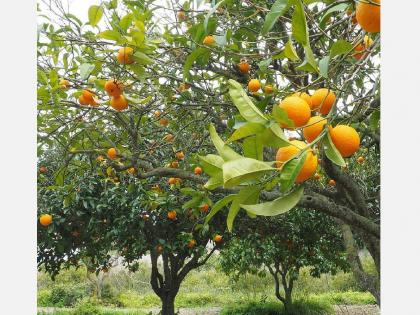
pixel 168 303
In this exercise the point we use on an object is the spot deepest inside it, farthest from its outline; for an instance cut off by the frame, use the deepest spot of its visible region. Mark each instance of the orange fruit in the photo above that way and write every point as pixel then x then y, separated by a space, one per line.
pixel 131 170
pixel 171 215
pixel 42 169
pixel 100 158
pixel 297 110
pixel 64 84
pixel 163 122
pixel 112 153
pixel 88 95
pixel 346 139
pixel 254 85
pixel 83 100
pixel 360 48
pixel 244 66
pixel 125 55
pixel 360 159
pixel 209 40
pixel 119 103
pixel 315 125
pixel 157 114
pixel 368 15
pixel 268 89
pixel 113 88
pixel 305 96
pixel 286 153
pixel 204 208
pixel 317 176
pixel 181 15
pixel 217 238
pixel 192 243
pixel 331 182
pixel 45 219
pixel 168 138
pixel 174 164
pixel 198 170
pixel 180 155
pixel 183 87
pixel 323 99
pixel 174 180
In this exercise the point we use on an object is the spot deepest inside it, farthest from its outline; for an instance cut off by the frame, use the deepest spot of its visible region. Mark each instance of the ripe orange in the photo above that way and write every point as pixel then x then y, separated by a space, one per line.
pixel 181 15
pixel 100 158
pixel 119 103
pixel 244 66
pixel 180 155
pixel 360 159
pixel 315 126
pixel 42 169
pixel 64 84
pixel 157 114
pixel 83 100
pixel 113 88
pixel 254 85
pixel 323 99
pixel 305 96
pixel 88 95
pixel 368 15
pixel 346 139
pixel 204 208
pixel 174 180
pixel 131 170
pixel 169 137
pixel 198 170
pixel 171 215
pixel 360 48
pixel 297 110
pixel 45 219
pixel 183 87
pixel 174 164
pixel 217 238
pixel 191 243
pixel 163 122
pixel 286 153
pixel 125 55
pixel 317 176
pixel 112 153
pixel 268 89
pixel 331 182
pixel 209 40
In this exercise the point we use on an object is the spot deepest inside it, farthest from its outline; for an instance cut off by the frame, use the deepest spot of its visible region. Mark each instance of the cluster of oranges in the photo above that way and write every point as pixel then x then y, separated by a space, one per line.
pixel 87 98
pixel 115 89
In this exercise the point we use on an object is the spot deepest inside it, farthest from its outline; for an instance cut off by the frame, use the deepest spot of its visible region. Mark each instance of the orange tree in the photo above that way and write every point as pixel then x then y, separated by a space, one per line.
pixel 138 83
pixel 283 245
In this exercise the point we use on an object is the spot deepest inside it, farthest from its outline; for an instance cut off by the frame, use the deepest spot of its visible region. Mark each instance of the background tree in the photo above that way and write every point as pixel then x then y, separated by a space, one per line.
pixel 283 245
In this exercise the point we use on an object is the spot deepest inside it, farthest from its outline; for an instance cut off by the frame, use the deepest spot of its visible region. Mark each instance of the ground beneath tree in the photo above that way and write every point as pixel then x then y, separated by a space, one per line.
pixel 340 310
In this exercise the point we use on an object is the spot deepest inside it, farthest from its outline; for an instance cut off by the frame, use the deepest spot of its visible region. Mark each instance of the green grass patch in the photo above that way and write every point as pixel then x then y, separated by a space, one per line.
pixel 344 298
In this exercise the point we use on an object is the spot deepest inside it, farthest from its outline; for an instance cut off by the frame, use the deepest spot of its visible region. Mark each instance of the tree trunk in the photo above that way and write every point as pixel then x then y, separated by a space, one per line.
pixel 288 300
pixel 168 303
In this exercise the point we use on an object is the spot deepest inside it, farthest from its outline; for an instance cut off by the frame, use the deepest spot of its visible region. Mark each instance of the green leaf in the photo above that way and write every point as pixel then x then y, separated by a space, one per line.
pixel 225 152
pixel 309 55
pixel 194 202
pixel 126 21
pixel 299 26
pixel 218 206
pixel 210 13
pixel 111 35
pixel 340 47
pixel 323 66
pixel 212 164
pixel 306 66
pixel 244 104
pixel 274 137
pixel 214 181
pixel 253 147
pixel 242 170
pixel 142 58
pixel 277 10
pixel 290 171
pixel 85 70
pixel 246 195
pixel 290 52
pixel 59 176
pixel 246 130
pixel 331 151
pixel 277 206
pixel 95 14
pixel 374 120
pixel 339 7
pixel 263 64
pixel 189 61
pixel 280 115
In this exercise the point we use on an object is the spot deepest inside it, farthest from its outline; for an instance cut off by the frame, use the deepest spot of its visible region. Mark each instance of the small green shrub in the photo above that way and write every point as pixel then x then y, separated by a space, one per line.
pixel 133 299
pixel 44 297
pixel 87 306
pixel 308 307
pixel 345 298
pixel 253 308
pixel 66 295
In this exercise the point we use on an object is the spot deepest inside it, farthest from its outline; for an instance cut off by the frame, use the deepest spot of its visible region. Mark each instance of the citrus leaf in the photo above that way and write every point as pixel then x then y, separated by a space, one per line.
pixel 310 58
pixel 225 152
pixel 253 147
pixel 214 182
pixel 95 14
pixel 246 195
pixel 331 151
pixel 246 130
pixel 339 7
pixel 274 137
pixel 210 13
pixel 277 206
pixel 290 52
pixel 242 170
pixel 243 103
pixel 85 70
pixel 142 58
pixel 189 61
pixel 340 47
pixel 290 171
pixel 299 26
pixel 278 9
pixel 111 35
pixel 212 164
pixel 323 66
pixel 280 115
pixel 218 206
